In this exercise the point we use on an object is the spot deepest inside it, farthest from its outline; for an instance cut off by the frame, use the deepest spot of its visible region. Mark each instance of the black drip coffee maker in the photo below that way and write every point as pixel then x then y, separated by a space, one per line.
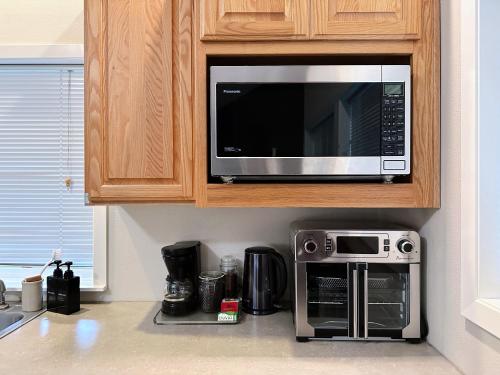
pixel 181 290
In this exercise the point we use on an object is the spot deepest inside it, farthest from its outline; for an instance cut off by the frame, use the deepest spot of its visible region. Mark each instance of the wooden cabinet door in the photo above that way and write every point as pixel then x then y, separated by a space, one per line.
pixel 366 19
pixel 254 19
pixel 138 120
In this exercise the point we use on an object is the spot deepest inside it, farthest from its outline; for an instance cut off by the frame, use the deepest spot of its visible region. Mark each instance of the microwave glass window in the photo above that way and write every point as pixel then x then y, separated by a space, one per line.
pixel 298 119
pixel 393 89
pixel 357 245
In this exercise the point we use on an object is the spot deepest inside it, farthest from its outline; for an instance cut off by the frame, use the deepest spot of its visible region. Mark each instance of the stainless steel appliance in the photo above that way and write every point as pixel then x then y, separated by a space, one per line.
pixel 355 284
pixel 310 122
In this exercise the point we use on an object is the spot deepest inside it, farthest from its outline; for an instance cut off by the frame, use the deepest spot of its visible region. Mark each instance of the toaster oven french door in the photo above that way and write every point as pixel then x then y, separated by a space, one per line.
pixel 359 301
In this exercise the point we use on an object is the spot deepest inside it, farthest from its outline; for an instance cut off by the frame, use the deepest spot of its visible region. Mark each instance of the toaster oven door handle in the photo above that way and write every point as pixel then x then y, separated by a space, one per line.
pixel 366 302
pixel 355 303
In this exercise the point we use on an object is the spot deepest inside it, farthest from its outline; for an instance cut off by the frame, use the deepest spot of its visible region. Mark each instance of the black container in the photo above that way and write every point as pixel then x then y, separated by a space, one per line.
pixel 183 264
pixel 63 295
pixel 264 280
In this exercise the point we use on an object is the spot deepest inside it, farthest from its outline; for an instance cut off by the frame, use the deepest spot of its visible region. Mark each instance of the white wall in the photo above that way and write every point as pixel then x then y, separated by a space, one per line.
pixel 41 21
pixel 137 233
pixel 469 347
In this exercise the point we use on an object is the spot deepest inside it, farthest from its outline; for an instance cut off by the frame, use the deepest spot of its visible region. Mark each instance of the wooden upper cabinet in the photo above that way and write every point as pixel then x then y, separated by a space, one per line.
pixel 366 19
pixel 138 120
pixel 254 19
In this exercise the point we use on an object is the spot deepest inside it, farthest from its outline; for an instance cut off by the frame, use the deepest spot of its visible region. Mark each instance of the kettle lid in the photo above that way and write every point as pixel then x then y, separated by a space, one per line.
pixel 260 250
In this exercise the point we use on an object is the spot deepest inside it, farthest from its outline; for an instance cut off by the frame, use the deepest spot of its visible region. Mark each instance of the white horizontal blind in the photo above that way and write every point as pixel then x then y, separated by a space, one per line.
pixel 41 144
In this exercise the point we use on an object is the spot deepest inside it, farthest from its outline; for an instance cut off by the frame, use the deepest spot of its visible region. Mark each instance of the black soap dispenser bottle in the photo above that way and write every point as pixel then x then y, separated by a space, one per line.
pixel 63 290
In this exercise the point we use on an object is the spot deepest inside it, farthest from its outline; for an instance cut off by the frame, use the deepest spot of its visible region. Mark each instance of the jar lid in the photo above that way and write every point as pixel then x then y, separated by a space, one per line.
pixel 211 275
pixel 228 261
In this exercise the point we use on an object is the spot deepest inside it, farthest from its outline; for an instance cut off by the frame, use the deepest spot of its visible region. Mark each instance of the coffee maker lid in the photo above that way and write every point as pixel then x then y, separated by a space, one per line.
pixel 180 249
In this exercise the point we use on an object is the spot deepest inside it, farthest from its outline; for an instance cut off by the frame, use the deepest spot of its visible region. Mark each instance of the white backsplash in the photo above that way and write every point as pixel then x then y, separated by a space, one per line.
pixel 136 233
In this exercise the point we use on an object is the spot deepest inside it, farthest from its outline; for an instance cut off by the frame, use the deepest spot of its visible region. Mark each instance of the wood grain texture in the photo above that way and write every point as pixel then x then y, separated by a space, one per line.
pixel 138 109
pixel 426 132
pixel 424 189
pixel 139 82
pixel 94 31
pixel 254 19
pixel 304 48
pixel 366 19
pixel 311 195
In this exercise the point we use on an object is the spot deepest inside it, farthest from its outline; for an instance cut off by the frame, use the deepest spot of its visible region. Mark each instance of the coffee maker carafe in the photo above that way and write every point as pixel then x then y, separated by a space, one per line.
pixel 183 265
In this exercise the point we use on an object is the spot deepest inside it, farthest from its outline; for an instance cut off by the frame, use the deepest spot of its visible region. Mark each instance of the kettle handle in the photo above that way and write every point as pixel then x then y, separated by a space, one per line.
pixel 281 278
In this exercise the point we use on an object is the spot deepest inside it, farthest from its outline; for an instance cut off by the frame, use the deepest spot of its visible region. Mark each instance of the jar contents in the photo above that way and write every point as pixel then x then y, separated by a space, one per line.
pixel 229 266
pixel 211 290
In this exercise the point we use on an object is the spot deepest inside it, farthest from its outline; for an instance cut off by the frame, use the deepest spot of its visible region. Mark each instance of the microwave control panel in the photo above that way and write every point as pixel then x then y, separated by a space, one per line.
pixel 393 119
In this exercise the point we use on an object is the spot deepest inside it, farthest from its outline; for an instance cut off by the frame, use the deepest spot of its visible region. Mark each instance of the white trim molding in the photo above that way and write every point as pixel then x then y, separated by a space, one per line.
pixel 483 312
pixel 100 248
pixel 41 54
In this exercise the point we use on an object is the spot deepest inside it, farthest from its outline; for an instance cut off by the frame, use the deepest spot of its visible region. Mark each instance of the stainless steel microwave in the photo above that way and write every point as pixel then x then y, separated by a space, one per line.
pixel 310 122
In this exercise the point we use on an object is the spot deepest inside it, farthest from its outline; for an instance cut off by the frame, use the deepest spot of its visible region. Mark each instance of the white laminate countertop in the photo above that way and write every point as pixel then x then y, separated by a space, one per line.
pixel 120 338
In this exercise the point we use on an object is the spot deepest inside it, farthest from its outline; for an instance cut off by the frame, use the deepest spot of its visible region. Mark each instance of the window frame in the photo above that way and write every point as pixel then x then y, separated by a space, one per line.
pixel 484 312
pixel 65 54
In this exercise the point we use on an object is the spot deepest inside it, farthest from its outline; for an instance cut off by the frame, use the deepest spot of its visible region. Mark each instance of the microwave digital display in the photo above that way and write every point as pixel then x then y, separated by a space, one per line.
pixel 393 89
pixel 357 245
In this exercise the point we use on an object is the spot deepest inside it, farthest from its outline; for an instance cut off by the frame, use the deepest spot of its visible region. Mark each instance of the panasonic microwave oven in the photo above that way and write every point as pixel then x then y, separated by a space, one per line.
pixel 310 122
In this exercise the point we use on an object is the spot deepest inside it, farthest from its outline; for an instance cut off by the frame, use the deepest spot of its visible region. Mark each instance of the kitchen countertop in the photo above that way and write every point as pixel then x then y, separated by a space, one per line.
pixel 120 338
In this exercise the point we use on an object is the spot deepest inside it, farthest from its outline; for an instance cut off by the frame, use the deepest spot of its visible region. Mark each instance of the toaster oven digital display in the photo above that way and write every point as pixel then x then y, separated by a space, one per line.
pixel 357 245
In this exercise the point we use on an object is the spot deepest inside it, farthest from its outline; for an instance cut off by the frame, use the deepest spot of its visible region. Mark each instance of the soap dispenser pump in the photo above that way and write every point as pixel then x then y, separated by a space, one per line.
pixel 58 273
pixel 68 274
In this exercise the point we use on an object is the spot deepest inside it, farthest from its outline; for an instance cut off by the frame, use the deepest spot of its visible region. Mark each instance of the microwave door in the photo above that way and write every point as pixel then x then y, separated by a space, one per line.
pixel 304 128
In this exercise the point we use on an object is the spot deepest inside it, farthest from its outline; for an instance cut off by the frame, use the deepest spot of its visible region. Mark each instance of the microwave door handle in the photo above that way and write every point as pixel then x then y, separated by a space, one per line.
pixel 355 303
pixel 366 302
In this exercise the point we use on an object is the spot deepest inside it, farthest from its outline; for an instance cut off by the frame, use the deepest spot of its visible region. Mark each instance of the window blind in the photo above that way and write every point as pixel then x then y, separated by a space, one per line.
pixel 41 146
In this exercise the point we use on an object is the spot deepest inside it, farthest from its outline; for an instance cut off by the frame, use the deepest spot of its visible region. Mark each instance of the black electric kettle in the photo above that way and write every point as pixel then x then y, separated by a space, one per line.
pixel 264 280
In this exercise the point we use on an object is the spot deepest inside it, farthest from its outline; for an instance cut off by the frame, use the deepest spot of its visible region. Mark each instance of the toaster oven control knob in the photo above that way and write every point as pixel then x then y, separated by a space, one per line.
pixel 405 246
pixel 310 246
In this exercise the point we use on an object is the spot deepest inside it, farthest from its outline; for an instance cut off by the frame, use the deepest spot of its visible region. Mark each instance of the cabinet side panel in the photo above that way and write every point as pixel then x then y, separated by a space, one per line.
pixel 426 108
pixel 183 95
pixel 94 110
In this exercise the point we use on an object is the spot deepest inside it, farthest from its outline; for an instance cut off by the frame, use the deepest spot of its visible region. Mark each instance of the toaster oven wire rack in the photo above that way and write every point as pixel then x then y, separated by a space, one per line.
pixel 340 283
